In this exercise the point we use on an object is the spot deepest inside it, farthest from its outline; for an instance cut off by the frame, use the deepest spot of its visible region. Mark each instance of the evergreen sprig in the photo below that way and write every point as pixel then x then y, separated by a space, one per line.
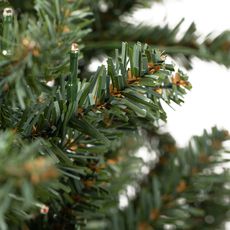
pixel 27 176
pixel 110 27
pixel 186 188
pixel 65 140
pixel 35 61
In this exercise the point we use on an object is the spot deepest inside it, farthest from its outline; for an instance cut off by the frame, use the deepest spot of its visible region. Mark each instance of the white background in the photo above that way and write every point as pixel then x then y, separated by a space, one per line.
pixel 208 102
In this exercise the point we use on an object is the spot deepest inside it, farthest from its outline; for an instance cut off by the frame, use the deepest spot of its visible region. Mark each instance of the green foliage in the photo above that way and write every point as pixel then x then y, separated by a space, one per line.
pixel 110 28
pixel 105 112
pixel 186 189
pixel 36 61
pixel 27 179
pixel 68 143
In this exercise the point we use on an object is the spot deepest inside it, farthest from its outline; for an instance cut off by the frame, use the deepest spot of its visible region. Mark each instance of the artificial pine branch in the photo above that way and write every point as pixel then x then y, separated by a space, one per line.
pixel 182 190
pixel 184 49
pixel 26 178
pixel 87 129
pixel 110 23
